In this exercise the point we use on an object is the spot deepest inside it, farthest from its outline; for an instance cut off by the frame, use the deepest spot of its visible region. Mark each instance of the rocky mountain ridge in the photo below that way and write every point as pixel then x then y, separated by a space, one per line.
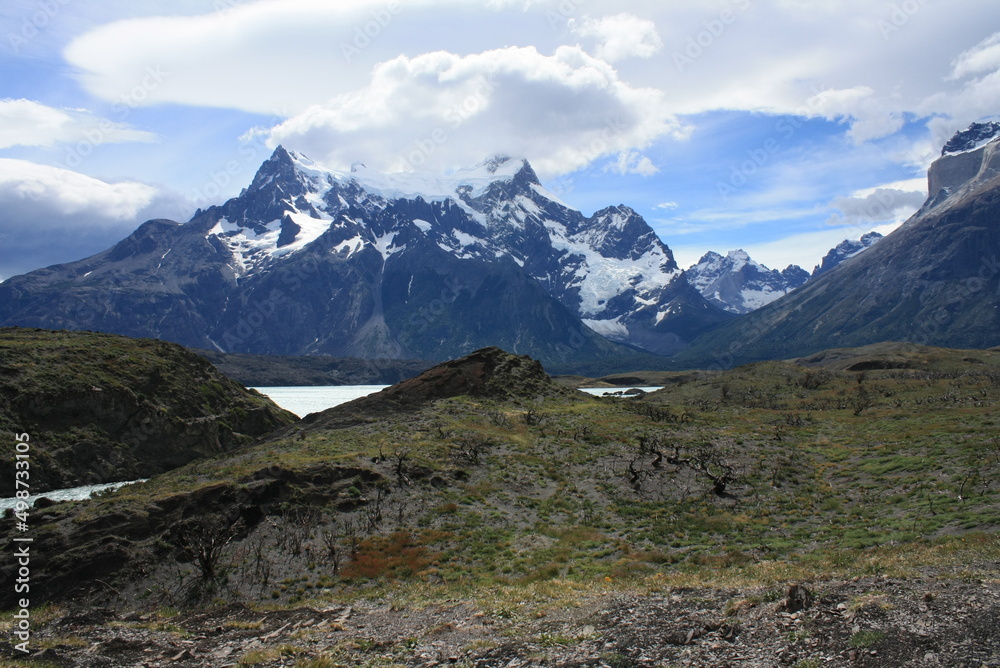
pixel 934 281
pixel 844 251
pixel 312 262
pixel 738 284
pixel 972 138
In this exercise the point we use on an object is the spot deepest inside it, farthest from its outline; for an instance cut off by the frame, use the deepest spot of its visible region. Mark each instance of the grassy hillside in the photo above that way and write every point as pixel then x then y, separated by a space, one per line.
pixel 104 408
pixel 522 492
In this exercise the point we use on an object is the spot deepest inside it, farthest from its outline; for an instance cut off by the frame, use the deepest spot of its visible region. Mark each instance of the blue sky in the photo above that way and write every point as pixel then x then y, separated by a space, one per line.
pixel 781 127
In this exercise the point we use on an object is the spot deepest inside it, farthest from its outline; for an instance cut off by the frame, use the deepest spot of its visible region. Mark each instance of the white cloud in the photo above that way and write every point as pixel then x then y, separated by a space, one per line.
pixel 982 58
pixel 667 206
pixel 620 36
pixel 880 206
pixel 732 218
pixel 978 71
pixel 321 51
pixel 272 56
pixel 29 188
pixel 440 110
pixel 918 188
pixel 29 123
pixel 869 116
pixel 632 162
pixel 49 214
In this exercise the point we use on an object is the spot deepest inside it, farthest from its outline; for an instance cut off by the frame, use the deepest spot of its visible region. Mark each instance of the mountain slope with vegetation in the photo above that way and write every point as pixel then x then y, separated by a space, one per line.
pixel 102 408
pixel 501 517
pixel 934 281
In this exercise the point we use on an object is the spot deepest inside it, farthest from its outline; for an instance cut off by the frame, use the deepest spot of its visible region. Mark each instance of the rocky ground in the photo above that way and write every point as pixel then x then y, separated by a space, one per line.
pixel 481 470
pixel 873 621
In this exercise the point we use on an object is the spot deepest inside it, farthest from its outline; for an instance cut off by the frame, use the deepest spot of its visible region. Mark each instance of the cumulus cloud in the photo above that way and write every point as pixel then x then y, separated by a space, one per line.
pixel 48 214
pixel 982 58
pixel 26 185
pixel 621 36
pixel 318 52
pixel 563 111
pixel 869 116
pixel 271 56
pixel 29 123
pixel 632 162
pixel 883 205
pixel 978 97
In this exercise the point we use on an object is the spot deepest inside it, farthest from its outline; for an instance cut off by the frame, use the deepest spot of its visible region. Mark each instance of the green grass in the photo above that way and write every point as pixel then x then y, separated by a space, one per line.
pixel 866 639
pixel 99 407
pixel 816 491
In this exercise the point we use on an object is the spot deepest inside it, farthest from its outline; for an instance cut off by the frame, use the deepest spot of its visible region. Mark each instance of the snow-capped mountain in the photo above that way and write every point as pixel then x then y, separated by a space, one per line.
pixel 934 281
pixel 846 250
pixel 738 284
pixel 308 260
pixel 610 269
pixel 972 138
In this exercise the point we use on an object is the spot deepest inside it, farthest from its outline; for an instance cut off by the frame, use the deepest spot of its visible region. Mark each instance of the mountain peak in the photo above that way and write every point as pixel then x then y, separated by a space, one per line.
pixel 969 160
pixel 710 256
pixel 279 153
pixel 844 251
pixel 281 167
pixel 739 284
pixel 740 258
pixel 494 163
pixel 973 137
pixel 501 167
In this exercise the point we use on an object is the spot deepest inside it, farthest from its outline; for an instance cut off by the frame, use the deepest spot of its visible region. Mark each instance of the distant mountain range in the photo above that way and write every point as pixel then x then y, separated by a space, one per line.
pixel 738 284
pixel 308 261
pixel 933 281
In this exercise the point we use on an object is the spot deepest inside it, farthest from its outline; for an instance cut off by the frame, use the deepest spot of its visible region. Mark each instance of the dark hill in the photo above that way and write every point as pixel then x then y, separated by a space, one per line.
pixel 901 356
pixel 490 373
pixel 103 408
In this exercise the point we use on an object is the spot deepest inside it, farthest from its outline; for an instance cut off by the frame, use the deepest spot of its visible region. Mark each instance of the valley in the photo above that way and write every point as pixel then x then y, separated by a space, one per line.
pixel 481 513
pixel 502 334
pixel 813 485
